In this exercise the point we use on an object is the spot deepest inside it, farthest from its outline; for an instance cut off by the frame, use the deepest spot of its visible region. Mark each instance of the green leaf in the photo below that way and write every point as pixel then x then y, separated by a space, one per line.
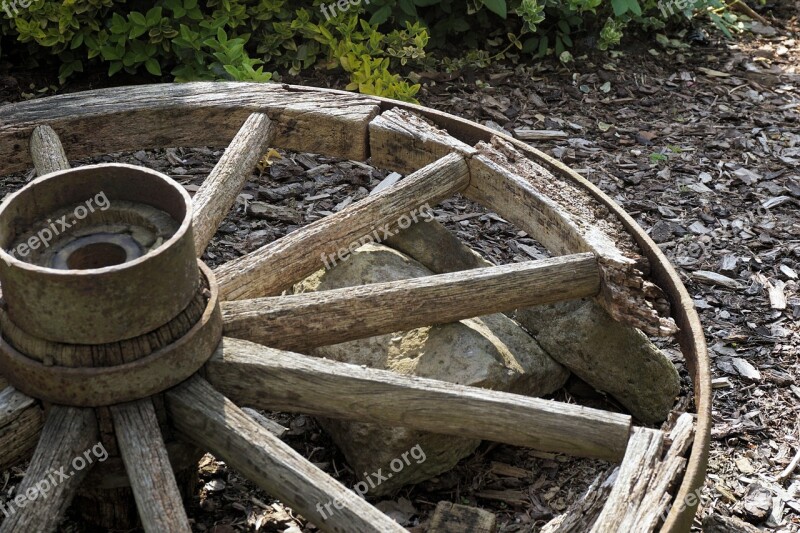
pixel 76 41
pixel 137 18
pixel 543 44
pixel 118 24
pixel 497 7
pixel 407 6
pixel 530 45
pixel 137 31
pixel 153 67
pixel 381 15
pixel 154 16
pixel 559 46
pixel 111 53
pixel 720 24
pixel 115 67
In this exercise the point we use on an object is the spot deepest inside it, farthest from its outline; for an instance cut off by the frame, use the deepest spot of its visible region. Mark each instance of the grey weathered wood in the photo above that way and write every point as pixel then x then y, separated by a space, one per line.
pixel 527 134
pixel 279 264
pixel 652 465
pixel 270 425
pixel 188 114
pixel 257 376
pixel 303 321
pixel 46 151
pixel 404 142
pixel 144 453
pixel 643 451
pixel 21 421
pixel 717 523
pixel 636 492
pixel 655 499
pixel 69 433
pixel 584 511
pixel 218 192
pixel 790 468
pixel 206 417
pixel 453 518
pixel 566 219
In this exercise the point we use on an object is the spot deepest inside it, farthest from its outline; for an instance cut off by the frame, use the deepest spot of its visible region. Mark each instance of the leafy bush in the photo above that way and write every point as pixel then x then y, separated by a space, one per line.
pixel 223 39
pixel 539 27
pixel 369 39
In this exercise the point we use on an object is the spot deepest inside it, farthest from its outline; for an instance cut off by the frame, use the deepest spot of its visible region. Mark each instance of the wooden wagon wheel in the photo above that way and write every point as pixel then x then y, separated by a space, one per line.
pixel 599 252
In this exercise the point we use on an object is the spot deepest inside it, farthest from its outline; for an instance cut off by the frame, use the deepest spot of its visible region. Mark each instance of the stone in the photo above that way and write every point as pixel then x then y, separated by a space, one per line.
pixel 614 358
pixel 492 352
pixel 664 230
pixel 757 502
pixel 716 523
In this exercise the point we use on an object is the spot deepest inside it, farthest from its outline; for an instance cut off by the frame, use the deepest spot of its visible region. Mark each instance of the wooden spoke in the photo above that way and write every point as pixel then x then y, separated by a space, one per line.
pixel 145 456
pixel 206 417
pixel 279 264
pixel 267 378
pixel 46 151
pixel 21 420
pixel 54 474
pixel 189 114
pixel 218 193
pixel 303 321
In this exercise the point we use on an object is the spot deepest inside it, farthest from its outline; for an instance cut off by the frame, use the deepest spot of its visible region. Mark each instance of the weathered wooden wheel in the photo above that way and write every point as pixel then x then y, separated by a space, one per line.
pixel 67 400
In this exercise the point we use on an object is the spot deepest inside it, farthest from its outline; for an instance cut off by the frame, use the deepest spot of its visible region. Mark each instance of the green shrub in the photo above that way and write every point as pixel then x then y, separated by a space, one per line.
pixel 371 40
pixel 222 39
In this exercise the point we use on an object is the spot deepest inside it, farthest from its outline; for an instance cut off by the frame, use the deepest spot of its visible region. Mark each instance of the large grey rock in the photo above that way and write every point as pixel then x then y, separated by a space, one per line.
pixel 492 352
pixel 612 357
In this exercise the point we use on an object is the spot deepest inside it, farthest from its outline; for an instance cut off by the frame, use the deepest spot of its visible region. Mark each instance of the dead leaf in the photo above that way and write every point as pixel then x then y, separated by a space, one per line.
pixel 713 73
